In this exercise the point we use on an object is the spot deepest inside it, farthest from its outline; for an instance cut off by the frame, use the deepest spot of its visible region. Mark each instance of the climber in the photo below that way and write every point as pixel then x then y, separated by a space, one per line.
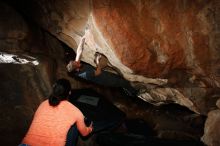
pixel 97 75
pixel 54 118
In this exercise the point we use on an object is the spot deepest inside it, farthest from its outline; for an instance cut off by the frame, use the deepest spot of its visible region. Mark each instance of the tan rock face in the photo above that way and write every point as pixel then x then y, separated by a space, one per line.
pixel 153 38
pixel 174 44
pixel 212 129
pixel 140 34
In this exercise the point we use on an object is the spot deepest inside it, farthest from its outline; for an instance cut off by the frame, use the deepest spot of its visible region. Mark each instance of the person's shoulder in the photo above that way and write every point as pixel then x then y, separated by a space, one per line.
pixel 45 102
pixel 43 106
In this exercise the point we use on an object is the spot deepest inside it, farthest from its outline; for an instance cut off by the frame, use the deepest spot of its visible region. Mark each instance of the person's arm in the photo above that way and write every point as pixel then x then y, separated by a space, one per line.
pixel 80 49
pixel 98 70
pixel 75 65
pixel 81 126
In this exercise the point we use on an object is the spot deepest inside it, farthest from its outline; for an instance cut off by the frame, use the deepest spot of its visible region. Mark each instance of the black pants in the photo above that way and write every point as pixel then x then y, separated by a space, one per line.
pixel 72 136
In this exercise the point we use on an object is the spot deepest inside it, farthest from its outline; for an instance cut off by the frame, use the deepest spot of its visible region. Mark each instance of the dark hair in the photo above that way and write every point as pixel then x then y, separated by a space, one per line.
pixel 60 92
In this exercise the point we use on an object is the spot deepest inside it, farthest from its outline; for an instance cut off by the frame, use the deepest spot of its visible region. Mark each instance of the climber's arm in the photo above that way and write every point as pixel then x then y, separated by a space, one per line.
pixel 80 49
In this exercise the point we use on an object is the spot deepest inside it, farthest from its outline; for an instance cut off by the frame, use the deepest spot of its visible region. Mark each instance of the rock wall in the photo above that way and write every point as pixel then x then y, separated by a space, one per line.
pixel 212 127
pixel 138 37
pixel 169 49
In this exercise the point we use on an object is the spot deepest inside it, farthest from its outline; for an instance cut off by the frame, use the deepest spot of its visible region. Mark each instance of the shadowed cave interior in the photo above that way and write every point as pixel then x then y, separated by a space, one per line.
pixel 173 65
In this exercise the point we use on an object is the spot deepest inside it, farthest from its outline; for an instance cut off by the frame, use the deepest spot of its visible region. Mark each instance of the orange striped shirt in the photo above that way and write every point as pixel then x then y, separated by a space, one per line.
pixel 51 124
